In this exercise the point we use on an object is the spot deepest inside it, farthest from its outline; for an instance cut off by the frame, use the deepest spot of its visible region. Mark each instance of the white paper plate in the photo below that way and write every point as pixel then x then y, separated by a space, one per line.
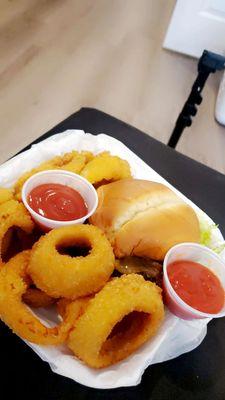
pixel 175 336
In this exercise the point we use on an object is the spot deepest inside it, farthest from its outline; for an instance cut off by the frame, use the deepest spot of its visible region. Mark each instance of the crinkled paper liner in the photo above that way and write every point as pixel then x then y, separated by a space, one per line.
pixel 175 336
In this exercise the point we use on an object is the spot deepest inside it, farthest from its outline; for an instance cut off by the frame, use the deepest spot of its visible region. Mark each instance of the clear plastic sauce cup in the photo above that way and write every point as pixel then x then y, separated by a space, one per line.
pixel 196 253
pixel 63 177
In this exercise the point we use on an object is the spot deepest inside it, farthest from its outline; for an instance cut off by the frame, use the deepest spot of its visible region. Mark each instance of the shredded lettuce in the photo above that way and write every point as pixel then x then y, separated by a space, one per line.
pixel 206 230
pixel 219 249
pixel 206 239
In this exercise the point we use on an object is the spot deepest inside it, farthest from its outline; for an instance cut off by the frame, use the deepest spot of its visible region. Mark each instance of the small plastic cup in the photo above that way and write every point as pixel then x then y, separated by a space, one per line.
pixel 200 254
pixel 77 182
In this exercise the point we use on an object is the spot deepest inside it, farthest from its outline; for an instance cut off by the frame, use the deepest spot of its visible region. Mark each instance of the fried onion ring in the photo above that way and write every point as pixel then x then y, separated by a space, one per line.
pixel 13 214
pixel 5 195
pixel 119 319
pixel 105 167
pixel 73 162
pixel 17 315
pixel 60 275
pixel 35 298
pixel 67 309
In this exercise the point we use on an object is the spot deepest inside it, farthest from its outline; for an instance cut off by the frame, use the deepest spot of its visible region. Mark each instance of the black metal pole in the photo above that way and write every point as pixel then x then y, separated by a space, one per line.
pixel 208 63
pixel 184 120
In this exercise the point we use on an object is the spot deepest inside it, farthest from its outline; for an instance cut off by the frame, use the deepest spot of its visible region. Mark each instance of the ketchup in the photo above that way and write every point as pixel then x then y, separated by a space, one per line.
pixel 197 286
pixel 57 202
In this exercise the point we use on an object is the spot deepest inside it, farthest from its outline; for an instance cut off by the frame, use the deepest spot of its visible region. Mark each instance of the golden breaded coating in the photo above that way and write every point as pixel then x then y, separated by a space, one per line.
pixel 73 162
pixel 105 167
pixel 19 264
pixel 62 305
pixel 18 316
pixel 5 195
pixel 33 297
pixel 13 214
pixel 36 298
pixel 68 308
pixel 119 319
pixel 60 275
pixel 88 155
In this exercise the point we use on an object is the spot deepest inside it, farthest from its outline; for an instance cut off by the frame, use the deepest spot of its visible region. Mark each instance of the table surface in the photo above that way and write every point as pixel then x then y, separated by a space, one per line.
pixel 198 375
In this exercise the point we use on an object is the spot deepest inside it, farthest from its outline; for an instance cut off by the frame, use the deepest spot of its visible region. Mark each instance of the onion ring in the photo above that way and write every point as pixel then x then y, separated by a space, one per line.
pixel 73 162
pixel 119 319
pixel 72 310
pixel 17 315
pixel 61 275
pixel 5 195
pixel 105 167
pixel 35 298
pixel 13 214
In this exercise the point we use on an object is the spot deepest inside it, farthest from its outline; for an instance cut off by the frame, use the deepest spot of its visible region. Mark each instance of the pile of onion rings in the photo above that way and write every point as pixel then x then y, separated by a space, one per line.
pixel 96 169
pixel 101 318
pixel 13 284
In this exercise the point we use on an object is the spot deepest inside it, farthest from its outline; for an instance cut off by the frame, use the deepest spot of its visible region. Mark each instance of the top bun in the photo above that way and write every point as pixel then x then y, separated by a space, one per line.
pixel 144 218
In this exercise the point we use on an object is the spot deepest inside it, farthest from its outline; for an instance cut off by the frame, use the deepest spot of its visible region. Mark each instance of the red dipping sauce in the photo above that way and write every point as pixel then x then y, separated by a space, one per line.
pixel 57 202
pixel 197 286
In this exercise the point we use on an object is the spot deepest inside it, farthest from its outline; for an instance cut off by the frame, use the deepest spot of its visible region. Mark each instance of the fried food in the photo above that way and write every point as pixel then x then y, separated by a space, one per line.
pixel 5 195
pixel 33 297
pixel 88 155
pixel 12 214
pixel 36 298
pixel 18 264
pixel 118 320
pixel 73 310
pixel 13 285
pixel 5 244
pixel 15 240
pixel 62 305
pixel 67 309
pixel 60 275
pixel 73 162
pixel 106 168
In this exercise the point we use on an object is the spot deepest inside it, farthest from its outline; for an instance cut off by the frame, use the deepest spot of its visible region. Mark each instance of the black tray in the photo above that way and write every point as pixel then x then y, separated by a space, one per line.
pixel 198 375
